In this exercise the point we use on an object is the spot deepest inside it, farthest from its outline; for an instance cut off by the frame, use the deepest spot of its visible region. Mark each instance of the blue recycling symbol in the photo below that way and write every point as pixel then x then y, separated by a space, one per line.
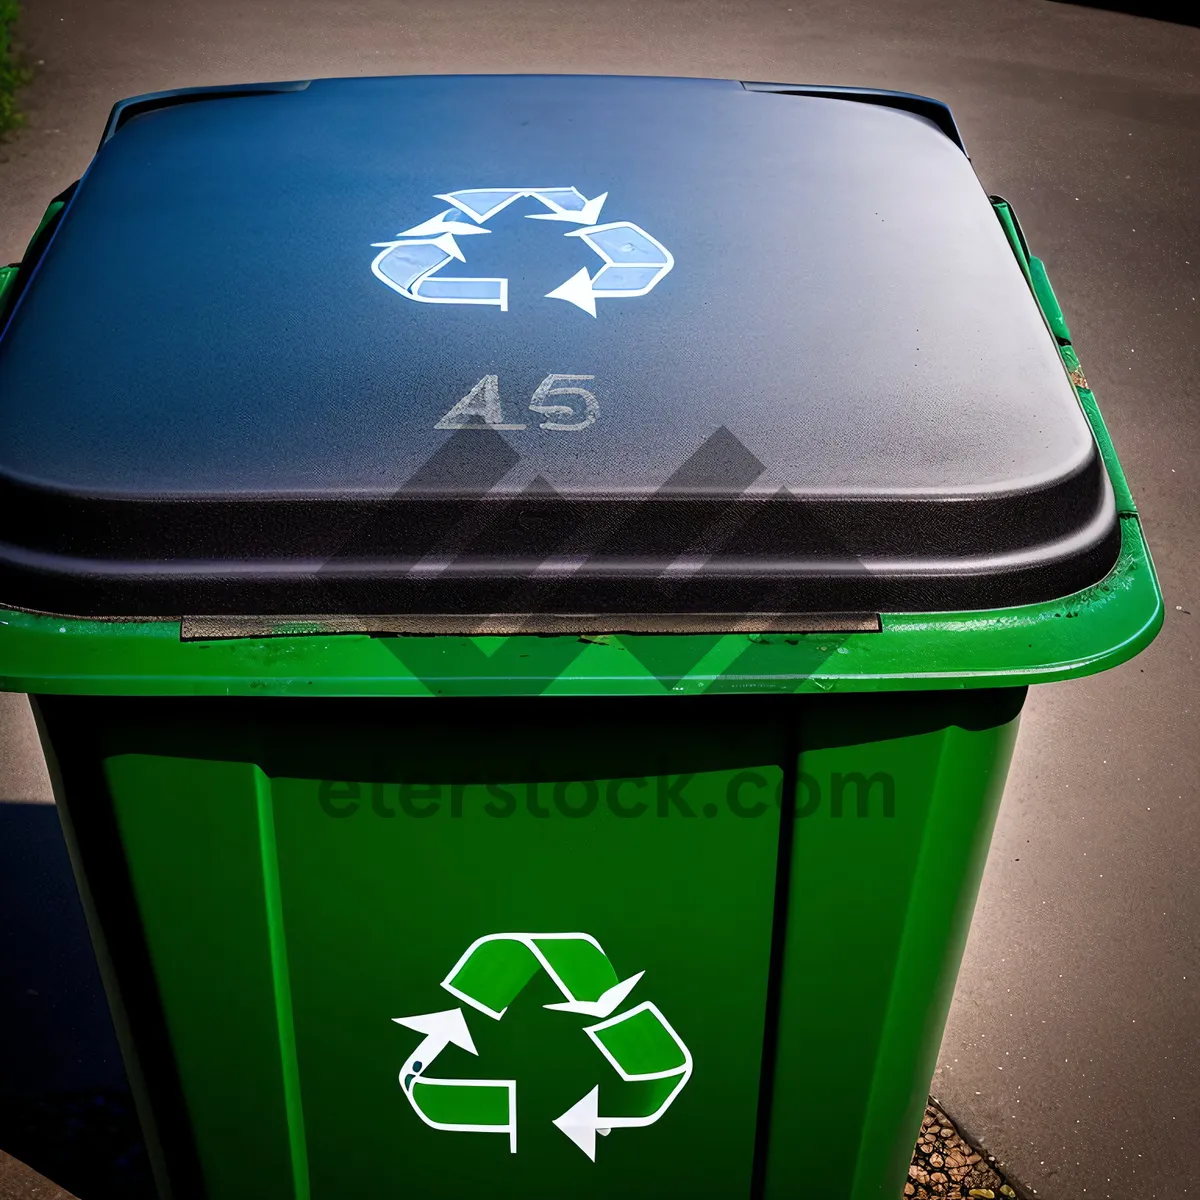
pixel 633 261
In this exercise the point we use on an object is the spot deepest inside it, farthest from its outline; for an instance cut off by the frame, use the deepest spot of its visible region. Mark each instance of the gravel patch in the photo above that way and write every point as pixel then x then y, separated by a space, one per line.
pixel 946 1166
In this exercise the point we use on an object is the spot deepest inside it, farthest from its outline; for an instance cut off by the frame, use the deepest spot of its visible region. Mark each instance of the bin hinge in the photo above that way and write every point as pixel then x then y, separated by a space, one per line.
pixel 205 628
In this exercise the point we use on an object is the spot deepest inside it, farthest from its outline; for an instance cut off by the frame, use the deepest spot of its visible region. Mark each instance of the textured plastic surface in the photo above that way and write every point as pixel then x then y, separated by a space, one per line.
pixel 276 880
pixel 842 395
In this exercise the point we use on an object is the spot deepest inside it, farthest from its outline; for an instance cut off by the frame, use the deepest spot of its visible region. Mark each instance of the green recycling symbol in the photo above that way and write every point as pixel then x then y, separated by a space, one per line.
pixel 639 1043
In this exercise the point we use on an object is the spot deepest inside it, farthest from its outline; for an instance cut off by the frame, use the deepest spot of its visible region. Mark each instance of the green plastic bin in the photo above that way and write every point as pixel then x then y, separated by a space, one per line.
pixel 529 740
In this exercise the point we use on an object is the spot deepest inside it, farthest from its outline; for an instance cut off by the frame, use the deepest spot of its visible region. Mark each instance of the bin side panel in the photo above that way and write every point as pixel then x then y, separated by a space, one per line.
pixel 192 832
pixel 953 853
pixel 882 891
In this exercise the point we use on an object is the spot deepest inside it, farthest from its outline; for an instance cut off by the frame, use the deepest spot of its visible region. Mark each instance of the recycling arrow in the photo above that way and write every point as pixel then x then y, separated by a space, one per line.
pixel 495 969
pixel 650 1059
pixel 475 1104
pixel 643 1048
pixel 440 1029
pixel 565 204
pixel 633 261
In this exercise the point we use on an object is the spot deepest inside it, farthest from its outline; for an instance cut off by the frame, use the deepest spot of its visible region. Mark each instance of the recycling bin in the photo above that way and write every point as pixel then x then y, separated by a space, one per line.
pixel 528 585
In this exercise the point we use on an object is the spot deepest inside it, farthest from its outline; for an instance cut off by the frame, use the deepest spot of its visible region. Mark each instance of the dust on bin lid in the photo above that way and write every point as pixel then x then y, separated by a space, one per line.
pixel 581 344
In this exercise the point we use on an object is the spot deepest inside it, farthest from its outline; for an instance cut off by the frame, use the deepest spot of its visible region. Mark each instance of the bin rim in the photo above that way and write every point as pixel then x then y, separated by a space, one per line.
pixel 1081 634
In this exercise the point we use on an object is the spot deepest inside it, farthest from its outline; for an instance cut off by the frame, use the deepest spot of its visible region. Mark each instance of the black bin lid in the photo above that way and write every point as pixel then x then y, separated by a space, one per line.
pixel 722 349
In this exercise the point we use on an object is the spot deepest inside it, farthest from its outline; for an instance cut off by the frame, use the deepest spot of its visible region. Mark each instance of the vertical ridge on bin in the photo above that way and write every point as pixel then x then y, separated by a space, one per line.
pixel 190 832
pixel 289 1065
pixel 790 764
pixel 867 1166
pixel 934 933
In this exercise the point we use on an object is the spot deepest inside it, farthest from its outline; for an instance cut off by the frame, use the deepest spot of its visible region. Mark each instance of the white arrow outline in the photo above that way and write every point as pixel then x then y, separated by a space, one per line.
pixel 582 1121
pixel 600 1007
pixel 444 233
pixel 585 215
pixel 510 1128
pixel 580 290
pixel 440 1029
pixel 577 290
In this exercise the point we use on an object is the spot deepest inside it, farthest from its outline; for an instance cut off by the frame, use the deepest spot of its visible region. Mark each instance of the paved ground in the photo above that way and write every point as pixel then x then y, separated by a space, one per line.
pixel 18 1182
pixel 1072 1049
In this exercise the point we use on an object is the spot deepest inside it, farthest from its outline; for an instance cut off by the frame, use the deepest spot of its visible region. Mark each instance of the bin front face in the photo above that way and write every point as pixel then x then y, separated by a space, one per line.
pixel 332 894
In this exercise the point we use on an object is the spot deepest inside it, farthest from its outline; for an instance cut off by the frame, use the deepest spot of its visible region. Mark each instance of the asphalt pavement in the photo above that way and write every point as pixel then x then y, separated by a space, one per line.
pixel 1073 1047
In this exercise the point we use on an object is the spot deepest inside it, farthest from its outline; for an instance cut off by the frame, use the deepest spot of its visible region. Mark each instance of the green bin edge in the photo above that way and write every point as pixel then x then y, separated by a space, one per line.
pixel 1079 634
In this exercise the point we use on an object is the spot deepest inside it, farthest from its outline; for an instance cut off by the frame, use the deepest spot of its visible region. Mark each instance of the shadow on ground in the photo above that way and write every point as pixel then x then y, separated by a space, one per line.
pixel 65 1107
pixel 1157 10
